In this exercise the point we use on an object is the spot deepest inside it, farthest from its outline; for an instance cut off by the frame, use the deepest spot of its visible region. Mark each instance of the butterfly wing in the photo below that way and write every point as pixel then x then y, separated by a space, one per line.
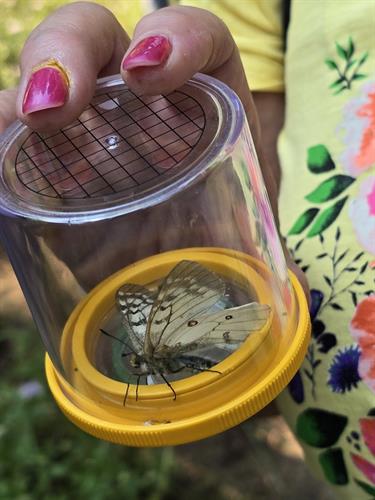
pixel 189 290
pixel 228 326
pixel 135 304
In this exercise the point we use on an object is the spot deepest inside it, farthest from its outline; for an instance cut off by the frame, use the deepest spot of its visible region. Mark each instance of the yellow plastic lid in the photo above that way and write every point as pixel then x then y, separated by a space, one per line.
pixel 206 403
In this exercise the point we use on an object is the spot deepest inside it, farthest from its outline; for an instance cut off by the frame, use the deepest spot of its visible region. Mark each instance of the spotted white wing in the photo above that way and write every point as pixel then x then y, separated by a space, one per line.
pixel 189 290
pixel 135 304
pixel 229 326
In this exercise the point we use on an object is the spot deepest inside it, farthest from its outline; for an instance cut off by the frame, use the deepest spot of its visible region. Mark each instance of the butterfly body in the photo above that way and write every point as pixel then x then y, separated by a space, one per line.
pixel 159 370
pixel 141 365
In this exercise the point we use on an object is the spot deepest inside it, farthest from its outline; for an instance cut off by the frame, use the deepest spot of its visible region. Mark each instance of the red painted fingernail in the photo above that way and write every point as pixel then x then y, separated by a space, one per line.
pixel 47 88
pixel 151 51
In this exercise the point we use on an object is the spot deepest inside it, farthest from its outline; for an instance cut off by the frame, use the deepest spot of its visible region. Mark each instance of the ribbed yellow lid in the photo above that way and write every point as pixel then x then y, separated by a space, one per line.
pixel 206 403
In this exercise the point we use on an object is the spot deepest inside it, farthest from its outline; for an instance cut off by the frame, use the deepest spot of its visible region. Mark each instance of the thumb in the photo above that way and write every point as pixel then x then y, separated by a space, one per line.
pixel 61 61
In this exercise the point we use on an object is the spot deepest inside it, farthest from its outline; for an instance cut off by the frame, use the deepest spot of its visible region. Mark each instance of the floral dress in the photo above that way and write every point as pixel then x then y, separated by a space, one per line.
pixel 327 202
pixel 326 66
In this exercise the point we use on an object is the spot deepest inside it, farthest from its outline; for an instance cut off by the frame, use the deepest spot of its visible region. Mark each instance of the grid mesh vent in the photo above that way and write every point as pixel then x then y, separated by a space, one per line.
pixel 120 142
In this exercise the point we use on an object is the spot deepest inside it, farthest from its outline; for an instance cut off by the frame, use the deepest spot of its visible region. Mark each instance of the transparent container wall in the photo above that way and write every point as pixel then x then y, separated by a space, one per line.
pixel 128 284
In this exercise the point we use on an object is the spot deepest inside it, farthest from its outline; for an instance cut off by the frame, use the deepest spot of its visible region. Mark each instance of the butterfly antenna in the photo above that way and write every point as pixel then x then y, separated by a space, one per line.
pixel 119 340
pixel 169 385
pixel 126 394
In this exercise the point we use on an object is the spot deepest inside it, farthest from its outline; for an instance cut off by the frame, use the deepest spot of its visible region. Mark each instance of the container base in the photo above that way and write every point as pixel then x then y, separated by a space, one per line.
pixel 100 420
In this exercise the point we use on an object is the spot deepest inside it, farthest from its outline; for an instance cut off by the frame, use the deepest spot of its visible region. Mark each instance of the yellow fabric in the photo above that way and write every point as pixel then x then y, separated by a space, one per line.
pixel 256 26
pixel 128 12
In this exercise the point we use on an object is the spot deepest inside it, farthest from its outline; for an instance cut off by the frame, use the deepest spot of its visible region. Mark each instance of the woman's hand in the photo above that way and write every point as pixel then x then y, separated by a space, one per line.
pixel 83 41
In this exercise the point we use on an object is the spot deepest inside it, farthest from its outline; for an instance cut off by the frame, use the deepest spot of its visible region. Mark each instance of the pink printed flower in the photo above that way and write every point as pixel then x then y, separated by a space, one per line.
pixel 362 328
pixel 359 136
pixel 366 467
pixel 362 214
pixel 368 432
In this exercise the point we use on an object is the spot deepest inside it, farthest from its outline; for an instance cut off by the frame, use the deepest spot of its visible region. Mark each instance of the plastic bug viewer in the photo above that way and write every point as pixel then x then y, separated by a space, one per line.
pixel 325 231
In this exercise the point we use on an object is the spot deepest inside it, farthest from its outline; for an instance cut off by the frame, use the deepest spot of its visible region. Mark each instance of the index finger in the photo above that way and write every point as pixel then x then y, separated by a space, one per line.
pixel 61 61
pixel 172 44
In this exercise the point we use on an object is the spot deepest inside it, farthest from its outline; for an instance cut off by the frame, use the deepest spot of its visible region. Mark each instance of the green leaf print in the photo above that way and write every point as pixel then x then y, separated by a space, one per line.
pixel 319 160
pixel 363 58
pixel 326 218
pixel 348 69
pixel 366 487
pixel 337 82
pixel 333 465
pixel 342 52
pixel 303 221
pixel 359 76
pixel 320 428
pixel 330 188
pixel 350 48
pixel 345 274
pixel 336 306
pixel 338 91
pixel 352 63
pixel 331 64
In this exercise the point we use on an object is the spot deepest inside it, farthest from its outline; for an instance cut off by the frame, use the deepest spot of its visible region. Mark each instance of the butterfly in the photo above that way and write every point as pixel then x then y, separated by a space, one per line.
pixel 172 329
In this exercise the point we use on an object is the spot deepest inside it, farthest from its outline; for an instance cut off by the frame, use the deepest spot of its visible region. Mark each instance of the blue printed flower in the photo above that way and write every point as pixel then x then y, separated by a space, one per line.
pixel 323 342
pixel 316 297
pixel 344 370
pixel 296 389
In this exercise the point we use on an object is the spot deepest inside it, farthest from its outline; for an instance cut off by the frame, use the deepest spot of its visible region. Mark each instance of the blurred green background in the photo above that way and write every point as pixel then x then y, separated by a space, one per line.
pixel 43 456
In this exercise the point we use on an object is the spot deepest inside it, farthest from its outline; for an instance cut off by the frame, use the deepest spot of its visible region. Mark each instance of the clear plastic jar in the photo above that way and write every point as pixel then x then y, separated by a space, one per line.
pixel 144 242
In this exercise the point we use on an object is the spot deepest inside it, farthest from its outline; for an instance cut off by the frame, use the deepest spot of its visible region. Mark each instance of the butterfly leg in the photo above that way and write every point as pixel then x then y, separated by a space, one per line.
pixel 199 369
pixel 169 385
pixel 126 394
pixel 136 391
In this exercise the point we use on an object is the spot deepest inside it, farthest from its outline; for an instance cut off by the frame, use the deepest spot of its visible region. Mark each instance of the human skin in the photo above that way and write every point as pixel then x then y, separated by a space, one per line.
pixel 80 42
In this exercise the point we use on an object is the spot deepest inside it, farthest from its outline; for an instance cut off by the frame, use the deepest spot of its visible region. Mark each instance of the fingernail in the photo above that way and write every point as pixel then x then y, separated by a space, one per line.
pixel 47 88
pixel 151 51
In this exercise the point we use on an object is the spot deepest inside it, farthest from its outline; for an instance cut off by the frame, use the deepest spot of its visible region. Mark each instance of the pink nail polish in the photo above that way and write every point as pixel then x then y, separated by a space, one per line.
pixel 47 88
pixel 151 51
